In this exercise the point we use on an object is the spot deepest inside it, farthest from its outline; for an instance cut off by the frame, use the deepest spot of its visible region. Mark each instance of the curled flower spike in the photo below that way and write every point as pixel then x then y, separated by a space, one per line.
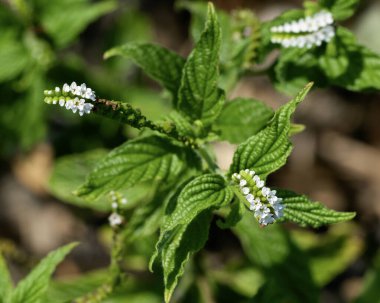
pixel 73 97
pixel 306 32
pixel 263 201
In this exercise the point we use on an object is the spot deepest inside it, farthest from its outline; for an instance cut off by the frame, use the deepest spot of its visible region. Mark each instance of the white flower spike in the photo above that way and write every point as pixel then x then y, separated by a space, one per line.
pixel 306 32
pixel 263 201
pixel 77 98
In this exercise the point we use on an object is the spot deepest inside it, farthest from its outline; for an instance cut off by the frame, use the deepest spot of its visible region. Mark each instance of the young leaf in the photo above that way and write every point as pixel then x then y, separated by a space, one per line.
pixel 185 227
pixel 160 63
pixel 268 150
pixel 341 9
pixel 301 210
pixel 32 288
pixel 5 281
pixel 242 118
pixel 199 97
pixel 148 159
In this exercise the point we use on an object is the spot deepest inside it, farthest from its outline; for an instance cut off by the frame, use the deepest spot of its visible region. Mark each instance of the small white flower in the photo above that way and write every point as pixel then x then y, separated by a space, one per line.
pixel 66 88
pixel 243 183
pixel 115 219
pixel 265 191
pixel 245 190
pixel 263 201
pixel 310 31
pixel 260 184
pixel 250 198
pixel 114 205
pixel 73 97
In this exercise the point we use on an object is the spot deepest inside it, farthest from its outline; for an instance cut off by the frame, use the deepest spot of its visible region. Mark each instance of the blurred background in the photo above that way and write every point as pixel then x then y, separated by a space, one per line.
pixel 46 43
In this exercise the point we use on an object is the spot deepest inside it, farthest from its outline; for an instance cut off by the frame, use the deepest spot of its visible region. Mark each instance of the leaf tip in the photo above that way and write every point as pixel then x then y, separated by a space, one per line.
pixel 210 8
pixel 110 53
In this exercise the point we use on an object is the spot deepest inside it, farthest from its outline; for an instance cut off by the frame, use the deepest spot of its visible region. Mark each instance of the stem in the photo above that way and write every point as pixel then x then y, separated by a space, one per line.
pixel 116 272
pixel 205 154
pixel 125 113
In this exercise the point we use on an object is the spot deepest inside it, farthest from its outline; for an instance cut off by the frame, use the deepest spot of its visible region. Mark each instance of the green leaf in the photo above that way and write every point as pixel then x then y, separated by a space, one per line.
pixel 268 150
pixel 242 118
pixel 6 284
pixel 185 227
pixel 272 250
pixel 64 291
pixel 350 65
pixel 64 20
pixel 295 67
pixel 245 281
pixel 148 159
pixel 234 215
pixel 204 192
pixel 146 218
pixel 183 126
pixel 13 56
pixel 158 62
pixel 330 253
pixel 69 172
pixel 177 245
pixel 301 210
pixel 341 9
pixel 32 288
pixel 199 97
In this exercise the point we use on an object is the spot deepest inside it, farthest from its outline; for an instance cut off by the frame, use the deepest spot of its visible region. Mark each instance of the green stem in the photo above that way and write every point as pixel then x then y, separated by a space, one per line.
pixel 125 113
pixel 116 273
pixel 205 154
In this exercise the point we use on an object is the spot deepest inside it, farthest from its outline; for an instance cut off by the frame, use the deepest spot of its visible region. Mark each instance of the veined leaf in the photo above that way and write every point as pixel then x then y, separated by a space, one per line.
pixel 199 97
pixel 183 126
pixel 158 62
pixel 177 245
pixel 268 150
pixel 185 227
pixel 341 9
pixel 204 192
pixel 32 288
pixel 301 210
pixel 147 159
pixel 242 118
pixel 5 281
